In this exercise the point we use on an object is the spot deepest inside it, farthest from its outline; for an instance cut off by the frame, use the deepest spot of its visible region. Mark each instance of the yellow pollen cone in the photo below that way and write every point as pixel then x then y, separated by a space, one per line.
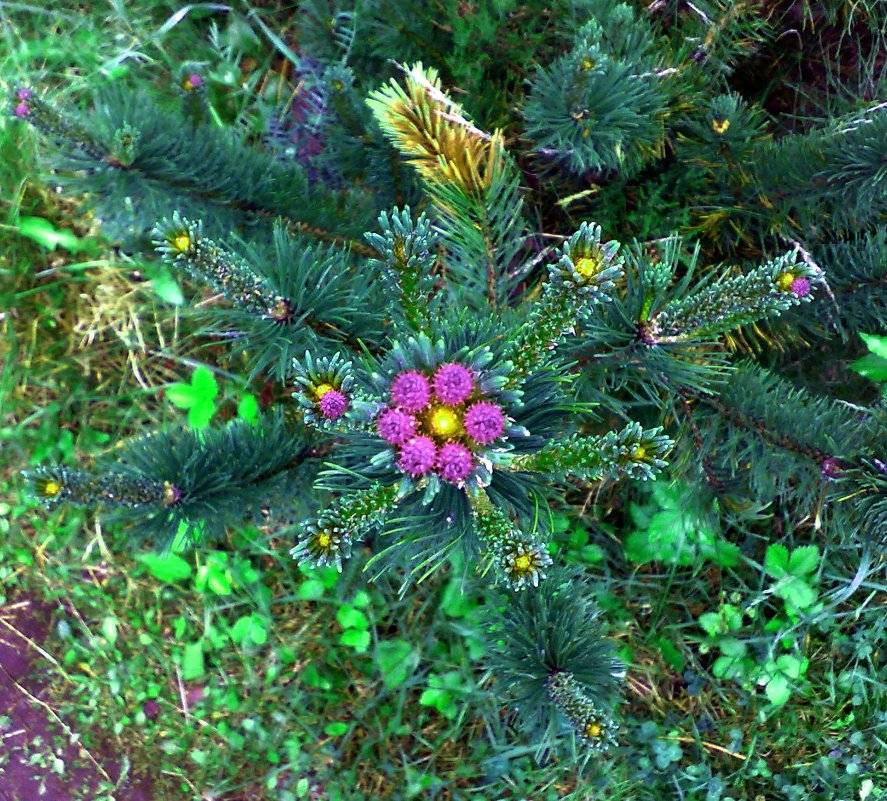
pixel 784 281
pixel 587 266
pixel 523 562
pixel 444 422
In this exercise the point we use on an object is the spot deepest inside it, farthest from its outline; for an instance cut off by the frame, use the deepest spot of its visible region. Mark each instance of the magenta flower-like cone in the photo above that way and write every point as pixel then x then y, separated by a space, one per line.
pixel 194 81
pixel 484 422
pixel 453 383
pixel 22 110
pixel 24 94
pixel 411 391
pixel 417 456
pixel 801 287
pixel 396 426
pixel 333 404
pixel 454 462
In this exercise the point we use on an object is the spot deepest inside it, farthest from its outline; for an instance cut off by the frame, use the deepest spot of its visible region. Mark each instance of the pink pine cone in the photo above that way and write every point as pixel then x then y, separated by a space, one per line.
pixel 411 391
pixel 801 287
pixel 333 404
pixel 417 456
pixel 396 426
pixel 453 383
pixel 22 110
pixel 454 462
pixel 484 422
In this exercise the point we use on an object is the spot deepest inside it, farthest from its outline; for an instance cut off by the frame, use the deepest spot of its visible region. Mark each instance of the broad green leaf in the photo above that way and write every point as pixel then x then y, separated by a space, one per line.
pixel 351 618
pixel 876 344
pixel 591 554
pixel 200 414
pixel 719 551
pixel 732 615
pixel 440 699
pixel 670 653
pixel 361 599
pixel 219 581
pixel 395 660
pixel 776 560
pixel 258 633
pixel 109 629
pixel 797 592
pixel 204 382
pixel 336 729
pixel 165 567
pixel 872 367
pixel 455 602
pixel 729 667
pixel 712 624
pixel 240 629
pixel 214 576
pixel 778 690
pixel 730 646
pixel 166 288
pixel 790 665
pixel 181 395
pixel 803 560
pixel 45 234
pixel 357 639
pixel 312 676
pixel 248 408
pixel 310 590
pixel 249 629
pixel 192 661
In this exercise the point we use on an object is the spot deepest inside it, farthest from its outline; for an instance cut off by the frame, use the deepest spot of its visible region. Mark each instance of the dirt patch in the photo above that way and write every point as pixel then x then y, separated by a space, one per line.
pixel 40 756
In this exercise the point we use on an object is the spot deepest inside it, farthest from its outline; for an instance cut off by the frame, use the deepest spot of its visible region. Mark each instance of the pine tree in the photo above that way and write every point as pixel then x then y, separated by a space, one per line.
pixel 464 345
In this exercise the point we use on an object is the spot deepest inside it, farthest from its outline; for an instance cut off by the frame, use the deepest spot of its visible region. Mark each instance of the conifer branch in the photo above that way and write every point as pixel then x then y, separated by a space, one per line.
pixel 834 173
pixel 409 253
pixel 285 299
pixel 731 302
pixel 517 557
pixel 469 176
pixel 200 482
pixel 328 539
pixel 583 276
pixel 600 107
pixel 183 244
pixel 632 452
pixel 552 661
pixel 130 146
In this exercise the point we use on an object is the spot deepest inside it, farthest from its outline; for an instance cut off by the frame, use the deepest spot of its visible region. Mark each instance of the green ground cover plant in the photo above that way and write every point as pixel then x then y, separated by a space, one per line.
pixel 474 400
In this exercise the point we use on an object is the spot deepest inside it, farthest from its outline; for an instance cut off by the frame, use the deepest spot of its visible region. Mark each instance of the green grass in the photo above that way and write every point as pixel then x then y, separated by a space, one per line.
pixel 228 673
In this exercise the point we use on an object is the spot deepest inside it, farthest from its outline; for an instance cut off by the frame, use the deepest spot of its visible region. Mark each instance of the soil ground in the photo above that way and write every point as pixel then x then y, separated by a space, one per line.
pixel 41 758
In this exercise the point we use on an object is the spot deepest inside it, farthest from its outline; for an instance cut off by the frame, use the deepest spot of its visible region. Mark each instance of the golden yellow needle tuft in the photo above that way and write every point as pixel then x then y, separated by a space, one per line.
pixel 427 127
